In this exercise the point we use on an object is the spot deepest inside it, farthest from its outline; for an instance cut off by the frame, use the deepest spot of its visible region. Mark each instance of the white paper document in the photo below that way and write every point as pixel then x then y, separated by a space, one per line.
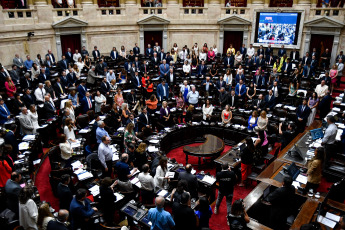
pixel 325 221
pixel 162 193
pixel 332 216
pixel 302 179
pixel 208 179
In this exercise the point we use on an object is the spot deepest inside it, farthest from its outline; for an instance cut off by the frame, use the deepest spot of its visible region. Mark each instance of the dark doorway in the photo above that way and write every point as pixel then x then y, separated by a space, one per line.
pixel 151 37
pixel 232 37
pixel 321 42
pixel 70 41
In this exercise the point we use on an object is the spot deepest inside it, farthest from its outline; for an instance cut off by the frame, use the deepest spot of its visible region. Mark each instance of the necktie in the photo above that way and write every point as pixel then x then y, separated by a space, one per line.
pixel 52 105
pixel 259 101
pixel 5 109
pixel 44 76
pixel 138 81
pixel 60 88
pixel 233 99
pixel 42 94
pixel 89 102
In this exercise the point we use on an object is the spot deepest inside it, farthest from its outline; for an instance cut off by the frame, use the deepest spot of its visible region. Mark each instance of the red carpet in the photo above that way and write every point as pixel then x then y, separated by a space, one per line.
pixel 217 222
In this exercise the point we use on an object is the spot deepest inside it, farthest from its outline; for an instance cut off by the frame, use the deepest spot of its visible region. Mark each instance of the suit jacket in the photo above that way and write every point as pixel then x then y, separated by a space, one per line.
pixel 42 79
pixel 170 83
pixel 239 77
pixel 260 63
pixel 281 52
pixel 223 98
pixel 96 54
pixel 91 76
pixel 289 67
pixel 25 83
pixel 155 62
pixel 268 51
pixel 85 104
pixel 202 70
pixel 270 103
pixel 143 122
pixel 281 200
pixel 12 190
pixel 63 64
pixel 204 86
pixel 270 60
pixel 105 88
pixel 69 57
pixel 149 52
pixel 49 110
pixel 257 80
pixel 114 55
pixel 136 50
pixel 161 56
pixel 81 91
pixel 243 51
pixel 229 61
pixel 306 60
pixel 19 4
pixel 79 212
pixel 219 84
pixel 14 75
pixel 296 56
pixel 142 68
pixel 303 114
pixel 64 81
pixel 260 105
pixel 135 82
pixel 100 69
pixel 72 78
pixel 26 124
pixel 233 101
pixel 52 59
pixel 261 51
pixel 57 89
pixel 164 69
pixel 56 225
pixel 28 100
pixel 250 63
pixel 160 91
pixel 4 113
pixel 65 196
pixel 313 64
pixel 192 182
pixel 135 124
pixel 242 90
pixel 10 139
pixel 17 62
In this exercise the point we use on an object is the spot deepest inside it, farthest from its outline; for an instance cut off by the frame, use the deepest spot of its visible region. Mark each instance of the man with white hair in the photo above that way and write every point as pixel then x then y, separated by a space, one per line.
pixel 164 69
pixel 160 218
pixel 40 92
pixel 193 97
pixel 101 132
pixel 110 76
pixel 91 75
pixel 26 124
pixel 49 107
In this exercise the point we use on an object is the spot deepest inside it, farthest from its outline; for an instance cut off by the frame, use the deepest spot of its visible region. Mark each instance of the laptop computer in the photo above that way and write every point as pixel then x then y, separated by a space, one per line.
pixel 293 171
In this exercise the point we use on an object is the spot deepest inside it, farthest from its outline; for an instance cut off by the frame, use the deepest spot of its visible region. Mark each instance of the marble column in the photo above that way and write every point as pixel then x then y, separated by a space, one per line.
pixel 141 39
pixel 335 46
pixel 221 39
pixel 165 37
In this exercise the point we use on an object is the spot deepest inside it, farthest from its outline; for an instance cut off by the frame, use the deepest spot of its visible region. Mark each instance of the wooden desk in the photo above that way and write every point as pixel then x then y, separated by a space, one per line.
pixel 306 214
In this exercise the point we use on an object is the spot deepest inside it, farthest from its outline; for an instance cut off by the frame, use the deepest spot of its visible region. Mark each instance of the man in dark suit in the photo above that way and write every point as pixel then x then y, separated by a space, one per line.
pixel 261 51
pixel 64 192
pixel 340 56
pixel 82 89
pixel 257 80
pixel 71 77
pixel 207 83
pixel 171 79
pixel 315 53
pixel 302 113
pixel 43 76
pixel 100 68
pixel 64 80
pixel 69 55
pixel 136 82
pixel 144 69
pixel 14 74
pixel 105 87
pixel 223 97
pixel 306 59
pixel 12 189
pixel 270 59
pixel 58 88
pixel 268 50
pixel 131 119
pixel 249 63
pixel 168 57
pixel 294 55
pixel 325 105
pixel 270 100
pixel 10 139
pixel 162 91
pixel 281 51
pixel 136 50
pixel 155 61
pixel 233 99
pixel 161 55
pixel 287 66
pixel 28 99
pixel 220 83
pixel 260 62
pixel 202 69
pixel 51 56
pixel 25 82
pixel 96 54
pixel 191 180
pixel 149 51
pixel 281 200
pixel 86 102
pixel 63 63
pixel 229 61
pixel 131 98
pixel 259 104
pixel 4 112
pixel 114 54
pixel 144 121
pixel 241 89
pixel 313 65
pixel 49 108
pixel 243 50
pixel 60 222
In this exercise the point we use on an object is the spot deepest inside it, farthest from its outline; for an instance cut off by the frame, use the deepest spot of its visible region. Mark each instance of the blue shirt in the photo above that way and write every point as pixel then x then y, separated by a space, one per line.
pixel 123 171
pixel 28 64
pixel 73 99
pixel 160 219
pixel 100 132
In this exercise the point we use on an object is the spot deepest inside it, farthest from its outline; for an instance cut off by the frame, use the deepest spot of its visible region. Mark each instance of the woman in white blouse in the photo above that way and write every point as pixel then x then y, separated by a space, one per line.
pixel 44 216
pixel 186 68
pixel 35 71
pixel 203 56
pixel 99 101
pixel 228 78
pixel 123 52
pixel 207 110
pixel 65 148
pixel 185 89
pixel 240 70
pixel 196 48
pixel 69 130
pixel 27 209
pixel 32 113
pixel 80 65
pixel 189 59
pixel 70 107
pixel 262 121
pixel 160 180
pixel 215 50
pixel 238 58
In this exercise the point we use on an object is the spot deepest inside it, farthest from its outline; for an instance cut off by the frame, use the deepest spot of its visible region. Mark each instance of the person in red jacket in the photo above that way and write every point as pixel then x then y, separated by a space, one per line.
pixel 5 171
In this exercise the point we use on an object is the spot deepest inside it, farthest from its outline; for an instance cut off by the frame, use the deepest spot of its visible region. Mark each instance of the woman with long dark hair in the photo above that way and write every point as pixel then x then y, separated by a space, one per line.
pixel 204 213
pixel 44 216
pixel 160 180
pixel 27 209
pixel 315 169
pixel 238 217
pixel 246 160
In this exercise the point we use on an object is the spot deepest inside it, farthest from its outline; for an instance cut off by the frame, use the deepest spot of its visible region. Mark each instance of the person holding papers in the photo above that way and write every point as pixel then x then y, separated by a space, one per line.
pixel 108 199
pixel 105 156
pixel 66 149
pixel 315 170
pixel 160 178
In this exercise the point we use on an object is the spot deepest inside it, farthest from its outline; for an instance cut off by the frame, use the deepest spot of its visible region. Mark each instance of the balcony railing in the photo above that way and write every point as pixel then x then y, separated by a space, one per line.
pixel 110 11
pixel 194 10
pixel 152 10
pixel 330 12
pixel 19 13
pixel 65 12
pixel 235 10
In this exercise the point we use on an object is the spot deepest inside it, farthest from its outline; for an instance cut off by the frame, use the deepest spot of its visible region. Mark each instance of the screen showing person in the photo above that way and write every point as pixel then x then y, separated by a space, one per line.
pixel 277 28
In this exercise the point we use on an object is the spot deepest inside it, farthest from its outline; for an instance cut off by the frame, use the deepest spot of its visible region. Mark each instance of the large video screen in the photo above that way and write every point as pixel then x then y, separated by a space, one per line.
pixel 277 28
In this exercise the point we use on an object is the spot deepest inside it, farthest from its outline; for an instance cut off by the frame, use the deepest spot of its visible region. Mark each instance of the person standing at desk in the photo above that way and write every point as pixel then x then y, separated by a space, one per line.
pixel 160 219
pixel 246 160
pixel 315 170
pixel 191 180
pixel 280 200
pixel 329 137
